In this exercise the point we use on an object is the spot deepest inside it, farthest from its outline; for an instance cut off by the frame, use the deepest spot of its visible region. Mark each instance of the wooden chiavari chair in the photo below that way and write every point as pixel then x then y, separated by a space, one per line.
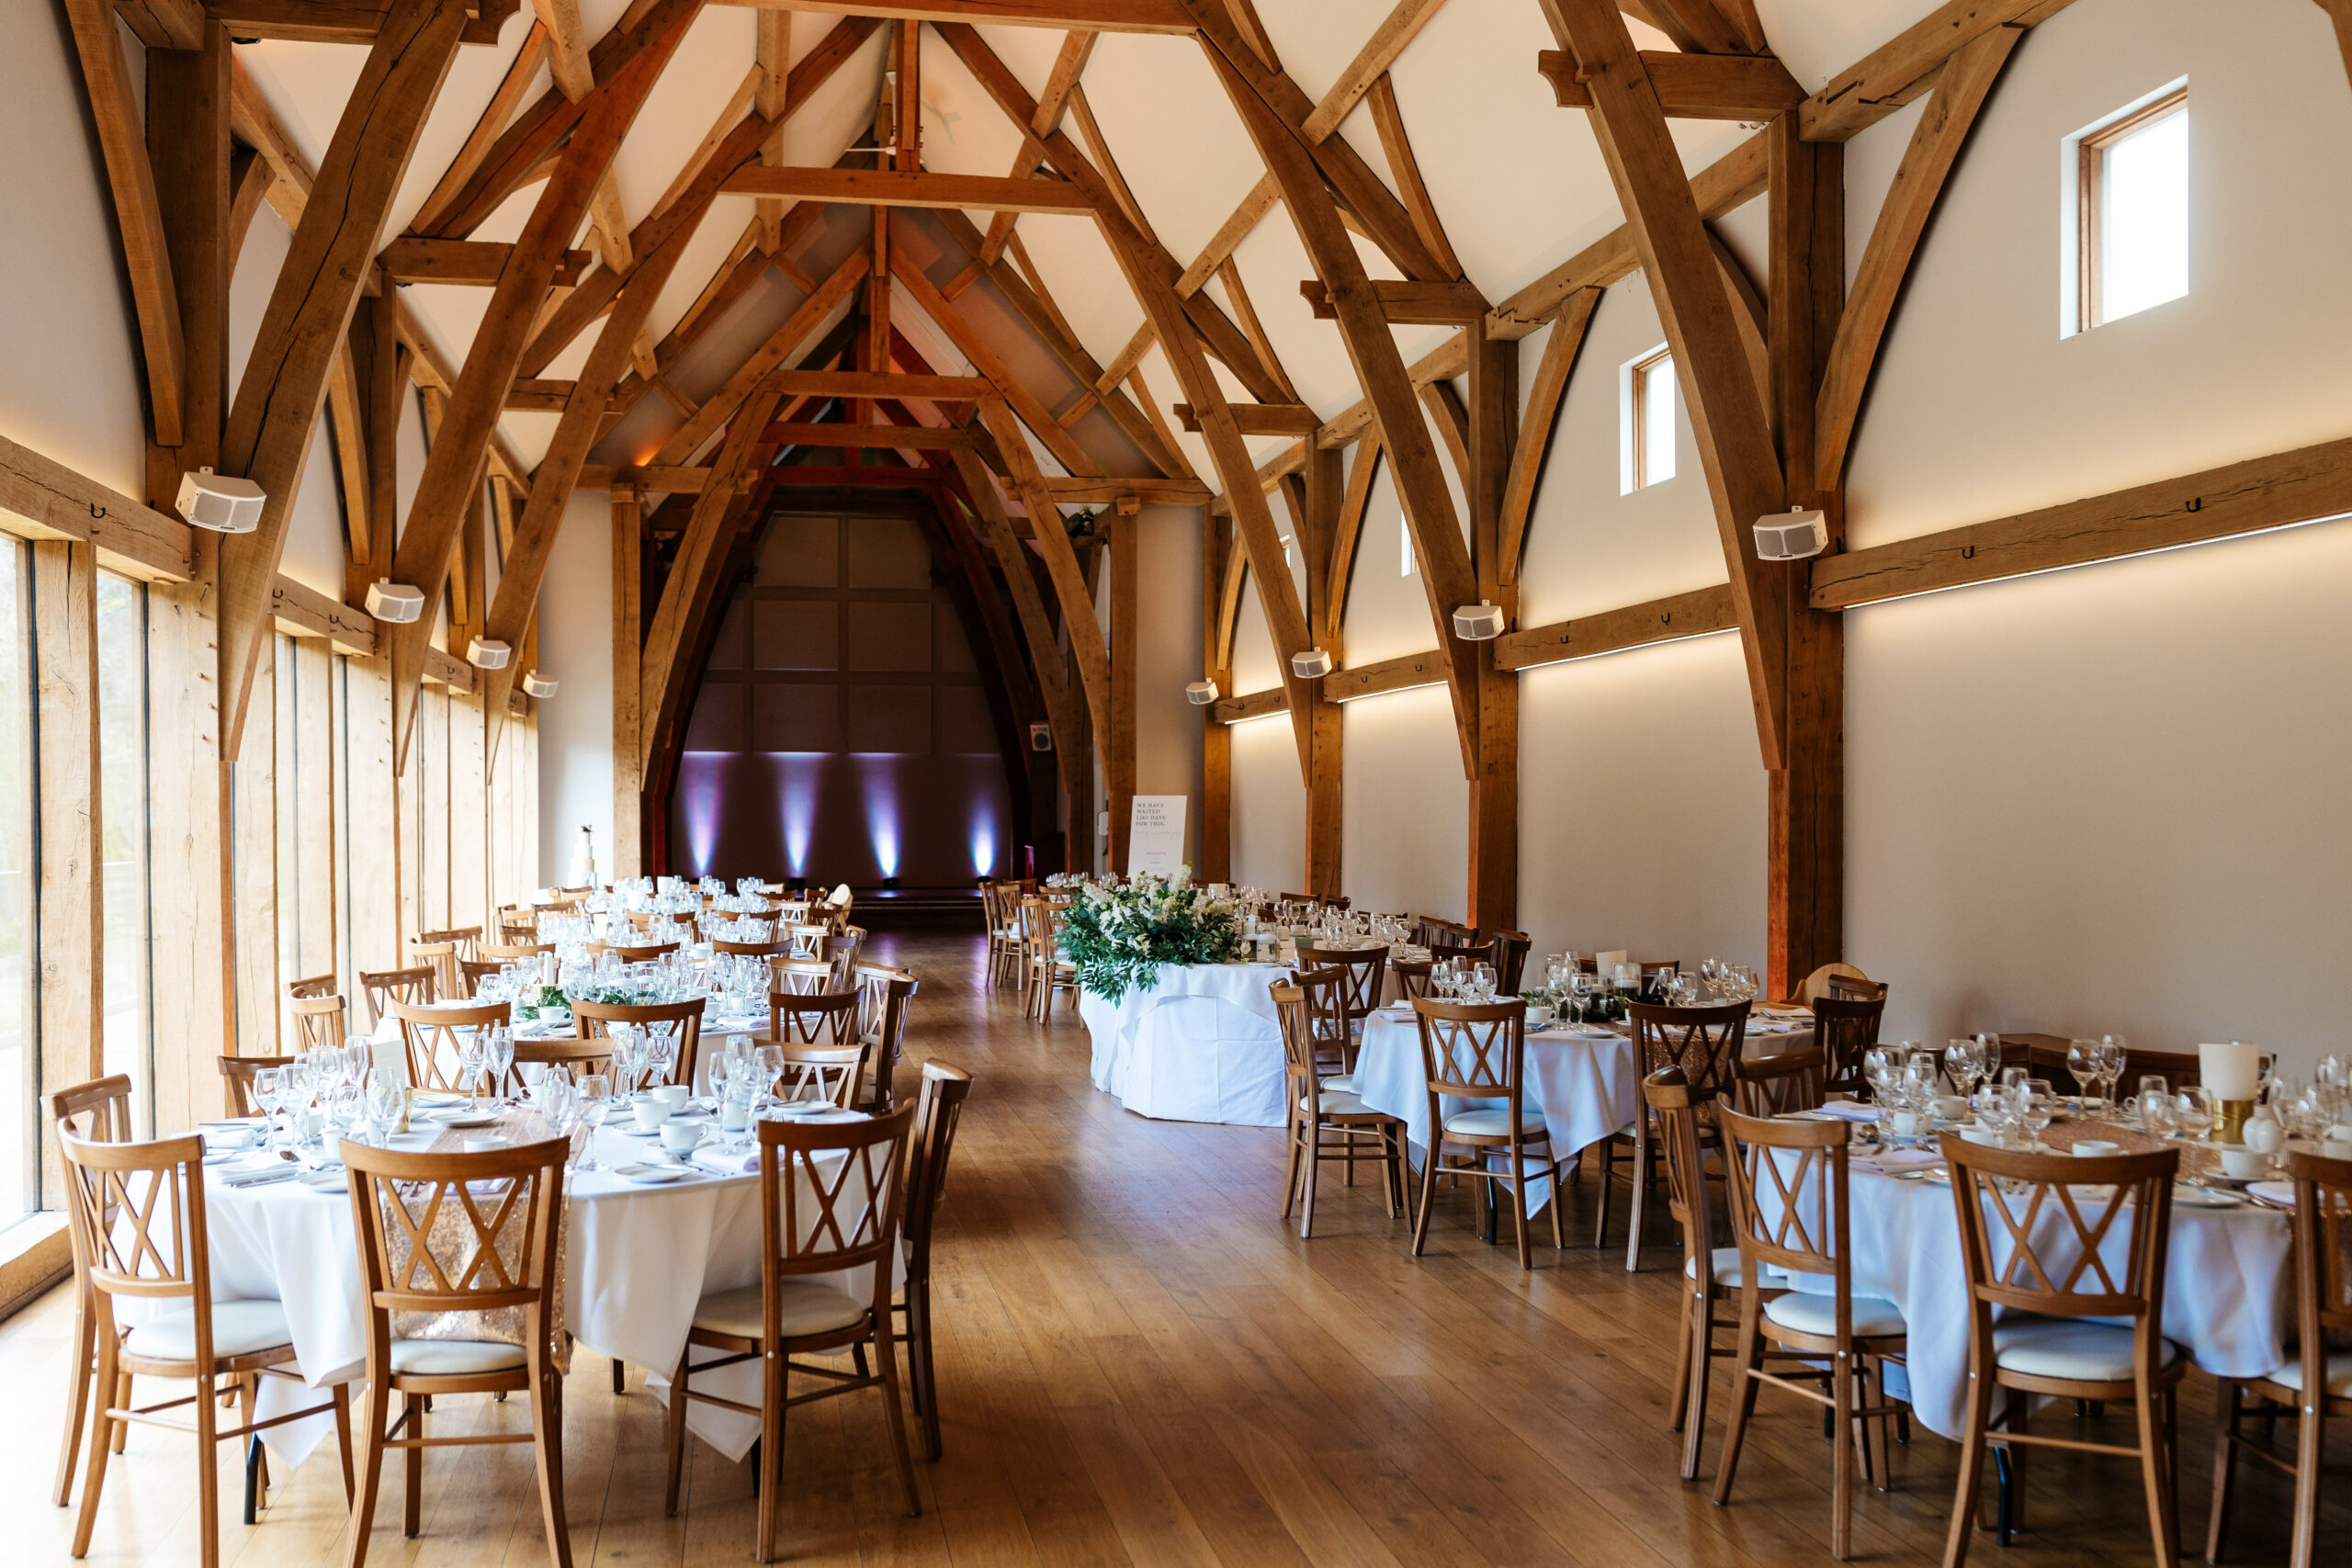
pixel 237 1082
pixel 833 1198
pixel 885 996
pixel 1704 1042
pixel 98 1112
pixel 314 986
pixel 414 986
pixel 1789 1211
pixel 318 1020
pixel 939 1106
pixel 1049 970
pixel 1780 1084
pixel 2037 1238
pixel 2316 1382
pixel 678 1022
pixel 1846 1030
pixel 507 1206
pixel 461 939
pixel 139 1213
pixel 434 1038
pixel 1478 1051
pixel 1315 1110
pixel 1712 1274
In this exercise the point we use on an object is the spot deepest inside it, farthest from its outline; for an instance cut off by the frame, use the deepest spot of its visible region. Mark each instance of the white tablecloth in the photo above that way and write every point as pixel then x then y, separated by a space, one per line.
pixel 1586 1088
pixel 1200 1043
pixel 2226 1284
pixel 638 1260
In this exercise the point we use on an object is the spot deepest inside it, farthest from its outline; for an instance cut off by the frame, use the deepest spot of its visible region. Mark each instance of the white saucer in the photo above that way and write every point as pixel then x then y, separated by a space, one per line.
pixel 650 1175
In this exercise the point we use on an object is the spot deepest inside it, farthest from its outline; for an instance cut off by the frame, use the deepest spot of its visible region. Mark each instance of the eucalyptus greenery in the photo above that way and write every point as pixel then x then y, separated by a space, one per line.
pixel 1118 937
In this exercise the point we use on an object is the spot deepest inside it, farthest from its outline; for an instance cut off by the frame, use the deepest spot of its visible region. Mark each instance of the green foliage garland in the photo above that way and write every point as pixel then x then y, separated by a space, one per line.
pixel 1118 937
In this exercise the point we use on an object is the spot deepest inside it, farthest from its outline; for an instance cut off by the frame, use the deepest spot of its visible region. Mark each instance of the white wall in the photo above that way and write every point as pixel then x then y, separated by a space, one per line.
pixel 1268 842
pixel 71 382
pixel 1168 657
pixel 1405 806
pixel 576 724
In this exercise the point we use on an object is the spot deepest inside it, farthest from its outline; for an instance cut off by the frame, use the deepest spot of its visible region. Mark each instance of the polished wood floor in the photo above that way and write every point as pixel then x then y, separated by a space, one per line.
pixel 1141 1364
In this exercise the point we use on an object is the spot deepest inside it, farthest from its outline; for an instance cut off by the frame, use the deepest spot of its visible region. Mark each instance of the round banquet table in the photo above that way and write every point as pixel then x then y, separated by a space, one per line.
pixel 2227 1278
pixel 638 1260
pixel 1582 1079
pixel 1200 1043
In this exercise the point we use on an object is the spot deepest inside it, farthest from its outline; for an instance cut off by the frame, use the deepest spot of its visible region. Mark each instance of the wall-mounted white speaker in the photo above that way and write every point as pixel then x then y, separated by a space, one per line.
pixel 398 602
pixel 1312 665
pixel 1795 534
pixel 221 502
pixel 539 685
pixel 1481 622
pixel 1201 694
pixel 1041 737
pixel 488 653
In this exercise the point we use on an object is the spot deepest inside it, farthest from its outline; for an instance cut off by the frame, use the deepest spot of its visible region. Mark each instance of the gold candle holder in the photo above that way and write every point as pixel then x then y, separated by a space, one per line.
pixel 2231 1117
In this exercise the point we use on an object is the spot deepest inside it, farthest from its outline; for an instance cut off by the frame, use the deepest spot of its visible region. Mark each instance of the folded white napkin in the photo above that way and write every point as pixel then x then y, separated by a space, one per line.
pixel 261 1175
pixel 743 1162
pixel 1850 1110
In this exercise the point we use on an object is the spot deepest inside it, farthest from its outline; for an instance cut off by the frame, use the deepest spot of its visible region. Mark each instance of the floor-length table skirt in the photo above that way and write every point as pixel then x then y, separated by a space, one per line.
pixel 638 1260
pixel 1200 1043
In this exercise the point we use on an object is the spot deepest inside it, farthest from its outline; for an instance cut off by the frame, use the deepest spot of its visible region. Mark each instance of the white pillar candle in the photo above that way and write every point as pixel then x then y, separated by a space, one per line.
pixel 2233 1071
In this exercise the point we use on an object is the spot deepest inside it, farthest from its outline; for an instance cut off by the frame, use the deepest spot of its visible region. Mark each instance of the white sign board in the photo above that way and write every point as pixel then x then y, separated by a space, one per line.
pixel 1156 835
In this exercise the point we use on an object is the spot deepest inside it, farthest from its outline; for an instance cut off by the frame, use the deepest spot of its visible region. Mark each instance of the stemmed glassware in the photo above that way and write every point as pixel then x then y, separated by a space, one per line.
pixel 2194 1106
pixel 2082 1064
pixel 269 1093
pixel 499 1055
pixel 1964 1065
pixel 473 1051
pixel 657 1052
pixel 2159 1118
pixel 2112 1056
pixel 2041 1110
pixel 382 1103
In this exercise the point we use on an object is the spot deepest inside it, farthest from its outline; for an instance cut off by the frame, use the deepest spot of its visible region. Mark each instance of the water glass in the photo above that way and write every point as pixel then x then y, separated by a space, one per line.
pixel 269 1093
pixel 2158 1118
pixel 2197 1111
pixel 1964 1064
pixel 500 1055
pixel 2082 1064
pixel 2041 1110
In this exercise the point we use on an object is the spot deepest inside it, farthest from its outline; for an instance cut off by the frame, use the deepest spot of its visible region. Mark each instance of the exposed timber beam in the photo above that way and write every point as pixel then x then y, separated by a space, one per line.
pixel 648 478
pixel 1388 119
pixel 1103 492
pixel 302 329
pixel 1536 423
pixel 445 491
pixel 1245 217
pixel 412 259
pixel 1396 29
pixel 1919 180
pixel 1093 15
pixel 872 188
pixel 1690 87
pixel 1445 361
pixel 42 499
pixel 1260 419
pixel 1443 303
pixel 783 345
pixel 862 437
pixel 1726 407
pixel 1906 66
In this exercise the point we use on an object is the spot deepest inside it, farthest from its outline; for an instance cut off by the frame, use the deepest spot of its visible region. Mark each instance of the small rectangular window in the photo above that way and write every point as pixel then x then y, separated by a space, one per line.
pixel 1647 432
pixel 1405 534
pixel 2131 211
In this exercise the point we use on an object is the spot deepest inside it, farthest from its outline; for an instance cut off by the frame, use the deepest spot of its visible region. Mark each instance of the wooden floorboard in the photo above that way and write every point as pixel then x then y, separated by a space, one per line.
pixel 1140 1363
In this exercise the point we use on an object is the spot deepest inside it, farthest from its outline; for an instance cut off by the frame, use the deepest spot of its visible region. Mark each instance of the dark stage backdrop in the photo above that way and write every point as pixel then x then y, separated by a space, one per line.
pixel 841 732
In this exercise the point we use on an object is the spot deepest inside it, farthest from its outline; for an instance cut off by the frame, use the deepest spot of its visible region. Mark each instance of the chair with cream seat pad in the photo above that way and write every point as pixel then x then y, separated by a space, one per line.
pixel 99 1111
pixel 833 1200
pixel 2037 1235
pixel 2315 1384
pixel 1789 1211
pixel 1478 1051
pixel 1325 1123
pixel 443 1234
pixel 1711 1273
pixel 1705 1043
pixel 138 1214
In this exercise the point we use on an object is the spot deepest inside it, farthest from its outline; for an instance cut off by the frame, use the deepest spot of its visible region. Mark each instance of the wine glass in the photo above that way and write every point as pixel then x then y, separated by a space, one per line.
pixel 500 1056
pixel 1964 1064
pixel 595 1094
pixel 2158 1117
pixel 2196 1108
pixel 660 1051
pixel 382 1103
pixel 269 1093
pixel 472 1050
pixel 2082 1064
pixel 2112 1056
pixel 2041 1110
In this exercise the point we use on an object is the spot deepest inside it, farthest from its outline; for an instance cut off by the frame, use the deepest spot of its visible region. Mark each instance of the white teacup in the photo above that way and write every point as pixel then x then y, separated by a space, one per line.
pixel 673 1095
pixel 650 1111
pixel 1983 1136
pixel 1538 1015
pixel 1906 1123
pixel 2096 1148
pixel 679 1137
pixel 2241 1162
pixel 1951 1106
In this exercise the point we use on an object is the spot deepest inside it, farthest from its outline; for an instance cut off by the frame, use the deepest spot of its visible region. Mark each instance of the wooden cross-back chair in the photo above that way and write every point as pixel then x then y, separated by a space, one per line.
pixel 1478 1051
pixel 1790 1212
pixel 459 1233
pixel 450 946
pixel 1510 961
pixel 237 1082
pixel 1713 1272
pixel 519 933
pixel 1324 997
pixel 818 1071
pixel 1318 1113
pixel 434 1036
pixel 639 953
pixel 511 952
pixel 1828 979
pixel 802 940
pixel 1781 1084
pixel 749 949
pixel 1845 1029
pixel 800 977
pixel 939 1108
pixel 2315 1385
pixel 680 1022
pixel 581 1056
pixel 843 950
pixel 318 1020
pixel 1412 976
pixel 1049 971
pixel 2037 1234
pixel 314 986
pixel 1704 1042
pixel 885 996
pixel 1363 974
pixel 1430 930
pixel 833 1199
pixel 470 971
pixel 813 1018
pixel 414 986
pixel 97 1112
pixel 139 1213
pixel 1008 955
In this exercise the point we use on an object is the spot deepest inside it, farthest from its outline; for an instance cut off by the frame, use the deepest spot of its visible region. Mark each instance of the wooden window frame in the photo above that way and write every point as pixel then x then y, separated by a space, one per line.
pixel 1638 412
pixel 2090 196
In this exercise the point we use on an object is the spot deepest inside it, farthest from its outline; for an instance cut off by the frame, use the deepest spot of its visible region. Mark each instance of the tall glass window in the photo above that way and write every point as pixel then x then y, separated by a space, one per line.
pixel 128 1043
pixel 20 1076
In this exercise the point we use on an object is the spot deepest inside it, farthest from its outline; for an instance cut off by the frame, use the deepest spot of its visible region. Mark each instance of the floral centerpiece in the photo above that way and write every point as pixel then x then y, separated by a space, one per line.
pixel 1118 937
